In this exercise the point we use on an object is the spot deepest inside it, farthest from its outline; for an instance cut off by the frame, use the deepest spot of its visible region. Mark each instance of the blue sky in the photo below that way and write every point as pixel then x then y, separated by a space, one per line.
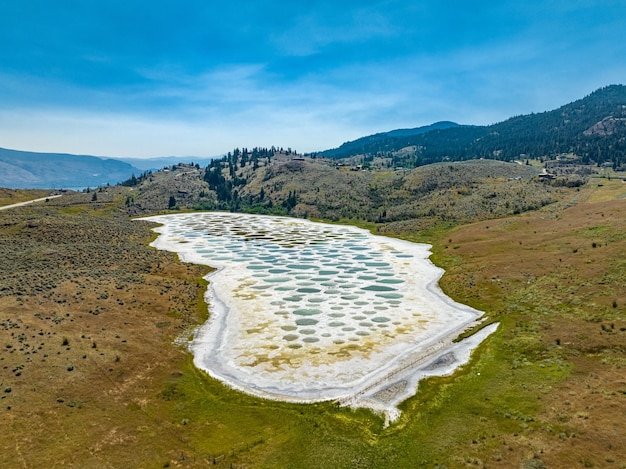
pixel 199 77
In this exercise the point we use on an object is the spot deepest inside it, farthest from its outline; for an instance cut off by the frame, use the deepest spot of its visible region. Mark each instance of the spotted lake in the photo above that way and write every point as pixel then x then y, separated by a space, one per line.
pixel 307 311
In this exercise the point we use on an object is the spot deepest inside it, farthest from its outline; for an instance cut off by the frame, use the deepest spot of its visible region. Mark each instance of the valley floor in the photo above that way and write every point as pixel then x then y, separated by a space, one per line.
pixel 90 375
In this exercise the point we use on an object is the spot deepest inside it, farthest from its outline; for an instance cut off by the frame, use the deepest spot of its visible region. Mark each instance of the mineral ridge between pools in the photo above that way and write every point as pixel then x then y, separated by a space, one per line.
pixel 307 311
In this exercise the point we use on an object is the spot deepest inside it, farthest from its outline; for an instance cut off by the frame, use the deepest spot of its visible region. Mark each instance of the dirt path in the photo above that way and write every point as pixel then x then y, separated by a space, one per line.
pixel 6 207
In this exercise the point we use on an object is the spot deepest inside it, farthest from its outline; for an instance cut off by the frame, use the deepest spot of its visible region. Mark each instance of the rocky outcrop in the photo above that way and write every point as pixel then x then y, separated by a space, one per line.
pixel 608 126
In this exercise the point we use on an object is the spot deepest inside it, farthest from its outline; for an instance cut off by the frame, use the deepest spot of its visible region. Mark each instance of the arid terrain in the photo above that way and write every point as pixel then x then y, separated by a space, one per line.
pixel 91 375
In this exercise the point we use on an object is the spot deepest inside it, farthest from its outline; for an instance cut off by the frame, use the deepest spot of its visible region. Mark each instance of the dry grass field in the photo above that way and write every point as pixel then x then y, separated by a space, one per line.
pixel 11 196
pixel 90 376
pixel 88 313
pixel 558 280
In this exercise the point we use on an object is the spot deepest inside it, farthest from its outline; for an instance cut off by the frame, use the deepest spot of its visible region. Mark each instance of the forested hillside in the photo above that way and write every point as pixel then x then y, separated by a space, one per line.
pixel 356 146
pixel 592 128
pixel 590 131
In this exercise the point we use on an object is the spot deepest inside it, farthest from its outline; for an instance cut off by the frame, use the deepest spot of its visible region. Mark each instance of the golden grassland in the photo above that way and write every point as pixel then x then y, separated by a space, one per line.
pixel 90 375
pixel 557 280
pixel 11 196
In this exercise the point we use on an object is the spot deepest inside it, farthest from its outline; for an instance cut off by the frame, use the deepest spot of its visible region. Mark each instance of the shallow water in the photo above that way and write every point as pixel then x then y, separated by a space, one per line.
pixel 308 310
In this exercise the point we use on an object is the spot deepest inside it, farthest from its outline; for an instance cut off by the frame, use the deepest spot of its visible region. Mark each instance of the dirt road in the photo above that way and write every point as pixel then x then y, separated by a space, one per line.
pixel 6 207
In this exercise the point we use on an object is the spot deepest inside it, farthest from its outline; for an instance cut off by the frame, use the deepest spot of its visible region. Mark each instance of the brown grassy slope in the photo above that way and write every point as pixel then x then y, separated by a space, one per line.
pixel 468 191
pixel 458 192
pixel 561 275
pixel 87 316
pixel 14 196
pixel 323 191
pixel 185 184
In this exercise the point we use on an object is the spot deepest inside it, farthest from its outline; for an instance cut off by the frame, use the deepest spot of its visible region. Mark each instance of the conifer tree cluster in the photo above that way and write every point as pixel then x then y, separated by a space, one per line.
pixel 227 175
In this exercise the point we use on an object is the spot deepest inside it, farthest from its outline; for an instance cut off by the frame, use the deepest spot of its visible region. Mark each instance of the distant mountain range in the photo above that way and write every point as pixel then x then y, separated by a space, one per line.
pixel 24 169
pixel 145 164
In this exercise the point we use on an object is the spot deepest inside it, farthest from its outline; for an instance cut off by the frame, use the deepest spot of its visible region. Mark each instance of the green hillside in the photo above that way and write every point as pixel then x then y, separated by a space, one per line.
pixel 356 146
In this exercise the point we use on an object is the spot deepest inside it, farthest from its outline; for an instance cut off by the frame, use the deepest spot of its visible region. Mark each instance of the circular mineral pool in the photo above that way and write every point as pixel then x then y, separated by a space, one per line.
pixel 306 322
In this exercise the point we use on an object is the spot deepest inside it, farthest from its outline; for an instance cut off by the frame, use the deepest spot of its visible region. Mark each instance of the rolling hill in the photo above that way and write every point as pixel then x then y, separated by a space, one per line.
pixel 591 129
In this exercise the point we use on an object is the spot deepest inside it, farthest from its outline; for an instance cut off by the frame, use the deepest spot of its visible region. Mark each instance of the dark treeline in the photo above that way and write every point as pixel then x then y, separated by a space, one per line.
pixel 134 181
pixel 348 148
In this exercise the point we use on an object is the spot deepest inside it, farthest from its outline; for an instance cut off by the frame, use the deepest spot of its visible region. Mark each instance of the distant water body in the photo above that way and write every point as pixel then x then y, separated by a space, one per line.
pixel 309 311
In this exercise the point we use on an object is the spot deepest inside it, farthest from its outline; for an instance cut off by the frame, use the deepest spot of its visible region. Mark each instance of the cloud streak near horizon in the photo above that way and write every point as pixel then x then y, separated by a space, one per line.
pixel 137 78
